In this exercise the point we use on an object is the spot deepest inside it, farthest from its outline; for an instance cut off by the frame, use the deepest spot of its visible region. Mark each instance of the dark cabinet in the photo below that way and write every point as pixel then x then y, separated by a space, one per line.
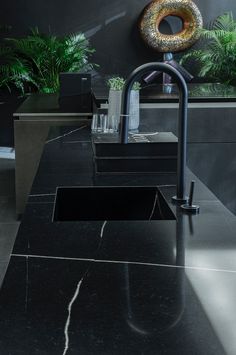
pixel 8 105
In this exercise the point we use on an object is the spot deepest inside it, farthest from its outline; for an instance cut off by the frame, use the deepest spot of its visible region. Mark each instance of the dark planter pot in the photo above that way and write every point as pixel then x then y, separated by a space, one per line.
pixel 8 105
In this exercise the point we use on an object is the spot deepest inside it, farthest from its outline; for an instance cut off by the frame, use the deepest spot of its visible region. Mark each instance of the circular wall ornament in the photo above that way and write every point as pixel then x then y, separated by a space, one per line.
pixel 157 11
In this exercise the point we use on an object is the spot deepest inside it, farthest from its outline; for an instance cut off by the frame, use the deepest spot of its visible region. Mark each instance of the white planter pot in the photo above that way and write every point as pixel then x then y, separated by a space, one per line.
pixel 114 108
pixel 134 110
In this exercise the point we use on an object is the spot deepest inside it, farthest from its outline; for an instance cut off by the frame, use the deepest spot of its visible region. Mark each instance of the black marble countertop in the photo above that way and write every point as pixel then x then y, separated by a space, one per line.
pixel 117 287
pixel 47 104
pixel 44 105
pixel 157 93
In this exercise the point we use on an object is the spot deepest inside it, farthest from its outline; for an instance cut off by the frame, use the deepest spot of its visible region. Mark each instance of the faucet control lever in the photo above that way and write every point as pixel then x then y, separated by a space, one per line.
pixel 189 207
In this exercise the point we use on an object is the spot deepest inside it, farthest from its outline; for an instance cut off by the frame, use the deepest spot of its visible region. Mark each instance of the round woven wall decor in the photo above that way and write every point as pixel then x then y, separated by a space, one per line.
pixel 157 11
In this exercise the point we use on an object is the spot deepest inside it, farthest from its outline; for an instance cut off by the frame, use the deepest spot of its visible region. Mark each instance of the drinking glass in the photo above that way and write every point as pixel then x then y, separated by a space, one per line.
pixel 99 123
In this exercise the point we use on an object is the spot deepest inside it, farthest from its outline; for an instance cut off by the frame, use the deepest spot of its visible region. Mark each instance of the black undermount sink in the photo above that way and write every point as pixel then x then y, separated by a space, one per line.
pixel 110 203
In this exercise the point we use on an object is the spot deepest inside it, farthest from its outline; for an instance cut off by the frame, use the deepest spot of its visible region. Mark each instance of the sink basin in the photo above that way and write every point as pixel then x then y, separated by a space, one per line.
pixel 110 203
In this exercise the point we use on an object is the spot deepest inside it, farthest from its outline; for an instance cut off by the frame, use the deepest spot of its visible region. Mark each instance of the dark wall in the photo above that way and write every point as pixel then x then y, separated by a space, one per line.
pixel 111 25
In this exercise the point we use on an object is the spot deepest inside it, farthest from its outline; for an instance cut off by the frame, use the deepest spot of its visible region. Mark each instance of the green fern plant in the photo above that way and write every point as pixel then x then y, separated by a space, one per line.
pixel 36 60
pixel 117 83
pixel 13 72
pixel 216 61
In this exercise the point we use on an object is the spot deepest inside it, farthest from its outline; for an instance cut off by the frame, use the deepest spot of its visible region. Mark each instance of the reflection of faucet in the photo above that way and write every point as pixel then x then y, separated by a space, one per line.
pixel 182 124
pixel 149 292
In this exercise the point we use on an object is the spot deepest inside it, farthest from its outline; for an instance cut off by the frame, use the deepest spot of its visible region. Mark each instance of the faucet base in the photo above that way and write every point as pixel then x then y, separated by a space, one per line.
pixel 179 201
pixel 194 209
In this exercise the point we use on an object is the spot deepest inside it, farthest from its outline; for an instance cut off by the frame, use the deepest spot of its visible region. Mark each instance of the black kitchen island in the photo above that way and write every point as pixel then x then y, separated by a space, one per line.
pixel 117 287
pixel 211 132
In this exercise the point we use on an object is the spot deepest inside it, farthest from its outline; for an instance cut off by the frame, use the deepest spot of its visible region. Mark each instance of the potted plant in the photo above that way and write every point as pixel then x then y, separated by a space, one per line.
pixel 33 63
pixel 116 85
pixel 217 60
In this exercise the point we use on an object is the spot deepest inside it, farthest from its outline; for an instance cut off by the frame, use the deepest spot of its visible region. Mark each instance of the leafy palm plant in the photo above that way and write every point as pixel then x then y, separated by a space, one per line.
pixel 36 60
pixel 217 60
pixel 12 70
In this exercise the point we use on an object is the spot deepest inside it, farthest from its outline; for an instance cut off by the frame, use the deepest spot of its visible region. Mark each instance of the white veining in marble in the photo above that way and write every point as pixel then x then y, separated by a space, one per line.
pixel 66 329
pixel 69 308
pixel 102 229
pixel 124 262
pixel 159 206
pixel 154 205
pixel 66 134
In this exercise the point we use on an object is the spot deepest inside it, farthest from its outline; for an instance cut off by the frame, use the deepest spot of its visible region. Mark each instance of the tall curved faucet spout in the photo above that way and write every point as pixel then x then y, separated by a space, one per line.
pixel 182 119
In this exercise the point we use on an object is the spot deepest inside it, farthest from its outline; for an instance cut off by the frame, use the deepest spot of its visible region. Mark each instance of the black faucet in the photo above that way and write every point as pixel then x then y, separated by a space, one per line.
pixel 182 123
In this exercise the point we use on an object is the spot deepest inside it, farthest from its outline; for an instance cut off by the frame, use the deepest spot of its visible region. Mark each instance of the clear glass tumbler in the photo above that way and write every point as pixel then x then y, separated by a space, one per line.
pixel 99 123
